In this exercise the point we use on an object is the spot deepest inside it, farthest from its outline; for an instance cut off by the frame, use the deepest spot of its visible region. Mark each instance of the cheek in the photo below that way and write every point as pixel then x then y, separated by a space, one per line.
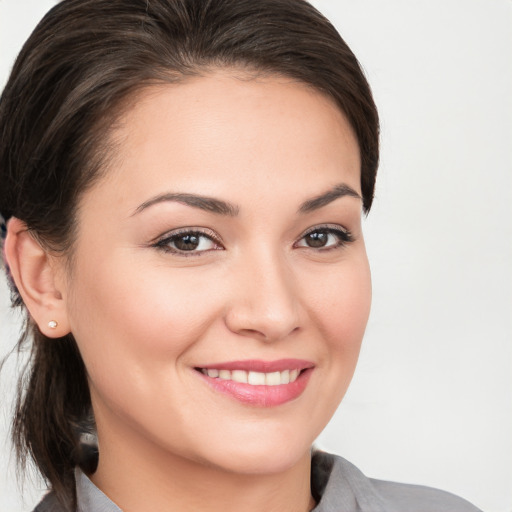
pixel 340 308
pixel 343 305
pixel 135 318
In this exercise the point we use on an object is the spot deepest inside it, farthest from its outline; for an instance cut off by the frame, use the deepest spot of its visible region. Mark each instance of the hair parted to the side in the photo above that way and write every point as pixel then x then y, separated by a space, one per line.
pixel 79 66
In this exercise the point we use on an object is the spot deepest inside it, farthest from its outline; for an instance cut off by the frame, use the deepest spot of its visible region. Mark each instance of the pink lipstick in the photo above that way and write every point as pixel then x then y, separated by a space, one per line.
pixel 259 383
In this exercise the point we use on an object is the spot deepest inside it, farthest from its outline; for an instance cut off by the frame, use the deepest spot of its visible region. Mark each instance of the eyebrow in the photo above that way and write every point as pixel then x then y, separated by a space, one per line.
pixel 219 207
pixel 209 204
pixel 324 199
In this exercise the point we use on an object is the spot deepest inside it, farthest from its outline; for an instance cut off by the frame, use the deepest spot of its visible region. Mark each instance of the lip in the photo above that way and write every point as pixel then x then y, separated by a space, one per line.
pixel 258 365
pixel 260 395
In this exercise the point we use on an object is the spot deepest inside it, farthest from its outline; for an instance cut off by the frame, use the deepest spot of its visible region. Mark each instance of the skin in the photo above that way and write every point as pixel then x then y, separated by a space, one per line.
pixel 145 317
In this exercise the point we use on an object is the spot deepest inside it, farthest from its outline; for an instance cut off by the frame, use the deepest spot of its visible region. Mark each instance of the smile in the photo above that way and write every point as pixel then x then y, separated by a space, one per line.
pixel 259 383
pixel 254 378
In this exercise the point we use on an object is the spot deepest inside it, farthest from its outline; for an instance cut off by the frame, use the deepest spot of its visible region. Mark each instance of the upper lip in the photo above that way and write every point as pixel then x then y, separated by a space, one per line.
pixel 257 365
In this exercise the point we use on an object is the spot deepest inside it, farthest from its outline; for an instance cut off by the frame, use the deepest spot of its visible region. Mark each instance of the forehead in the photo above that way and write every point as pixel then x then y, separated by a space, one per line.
pixel 252 133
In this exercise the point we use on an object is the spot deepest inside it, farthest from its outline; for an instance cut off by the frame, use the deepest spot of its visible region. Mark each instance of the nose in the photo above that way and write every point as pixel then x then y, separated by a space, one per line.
pixel 265 302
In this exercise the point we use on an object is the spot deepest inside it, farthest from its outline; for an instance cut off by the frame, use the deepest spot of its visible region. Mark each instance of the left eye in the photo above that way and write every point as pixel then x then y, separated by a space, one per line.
pixel 324 238
pixel 188 242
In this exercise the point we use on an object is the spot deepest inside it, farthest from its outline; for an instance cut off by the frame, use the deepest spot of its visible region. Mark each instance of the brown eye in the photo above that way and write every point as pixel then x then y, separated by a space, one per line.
pixel 317 239
pixel 188 243
pixel 325 238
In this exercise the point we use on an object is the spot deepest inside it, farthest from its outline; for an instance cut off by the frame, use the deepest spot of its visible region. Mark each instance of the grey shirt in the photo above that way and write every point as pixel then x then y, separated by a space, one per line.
pixel 336 485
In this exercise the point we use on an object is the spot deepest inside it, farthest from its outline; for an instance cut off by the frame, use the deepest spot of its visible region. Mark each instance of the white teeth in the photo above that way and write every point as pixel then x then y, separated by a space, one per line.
pixel 225 374
pixel 239 376
pixel 273 379
pixel 254 378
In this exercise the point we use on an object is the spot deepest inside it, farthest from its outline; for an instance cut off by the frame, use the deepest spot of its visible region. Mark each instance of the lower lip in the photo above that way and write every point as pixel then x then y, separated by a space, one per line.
pixel 261 396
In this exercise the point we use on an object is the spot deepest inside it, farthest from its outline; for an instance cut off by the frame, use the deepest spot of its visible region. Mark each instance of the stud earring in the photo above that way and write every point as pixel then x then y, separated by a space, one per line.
pixel 52 324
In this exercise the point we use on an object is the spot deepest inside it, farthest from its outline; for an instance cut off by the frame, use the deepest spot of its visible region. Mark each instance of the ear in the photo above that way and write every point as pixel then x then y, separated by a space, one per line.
pixel 34 272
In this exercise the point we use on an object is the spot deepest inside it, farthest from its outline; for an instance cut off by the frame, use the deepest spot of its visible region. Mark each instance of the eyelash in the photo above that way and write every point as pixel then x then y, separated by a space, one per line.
pixel 163 243
pixel 343 236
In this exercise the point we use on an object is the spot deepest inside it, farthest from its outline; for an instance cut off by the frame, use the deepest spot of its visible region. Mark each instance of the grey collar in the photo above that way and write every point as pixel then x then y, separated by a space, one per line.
pixel 89 498
pixel 336 485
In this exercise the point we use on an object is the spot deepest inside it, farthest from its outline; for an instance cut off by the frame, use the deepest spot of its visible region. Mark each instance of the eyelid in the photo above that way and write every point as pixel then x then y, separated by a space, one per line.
pixel 345 236
pixel 327 227
pixel 190 229
pixel 161 241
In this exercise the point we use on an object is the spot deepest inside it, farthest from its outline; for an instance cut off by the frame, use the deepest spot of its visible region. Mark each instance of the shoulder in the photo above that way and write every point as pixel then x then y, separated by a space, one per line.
pixel 49 504
pixel 340 482
pixel 418 498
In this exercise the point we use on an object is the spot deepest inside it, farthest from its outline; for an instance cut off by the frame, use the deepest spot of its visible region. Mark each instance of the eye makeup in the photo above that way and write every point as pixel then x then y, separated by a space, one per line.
pixel 325 237
pixel 189 242
pixel 193 241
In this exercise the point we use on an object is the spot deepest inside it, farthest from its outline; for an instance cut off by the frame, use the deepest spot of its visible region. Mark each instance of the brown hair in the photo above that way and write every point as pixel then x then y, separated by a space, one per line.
pixel 83 59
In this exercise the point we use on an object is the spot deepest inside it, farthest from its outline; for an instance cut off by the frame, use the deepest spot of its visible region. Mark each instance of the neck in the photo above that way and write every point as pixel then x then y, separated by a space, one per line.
pixel 145 478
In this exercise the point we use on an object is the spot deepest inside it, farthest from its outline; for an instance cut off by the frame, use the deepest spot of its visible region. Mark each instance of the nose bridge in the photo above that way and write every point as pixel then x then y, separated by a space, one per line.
pixel 266 302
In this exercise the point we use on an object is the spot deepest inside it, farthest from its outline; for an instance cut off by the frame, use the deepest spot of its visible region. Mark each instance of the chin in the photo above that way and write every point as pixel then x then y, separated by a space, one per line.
pixel 260 456
pixel 264 463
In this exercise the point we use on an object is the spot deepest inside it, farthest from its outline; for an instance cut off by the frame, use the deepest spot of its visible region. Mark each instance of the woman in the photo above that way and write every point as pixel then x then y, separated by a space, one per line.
pixel 183 184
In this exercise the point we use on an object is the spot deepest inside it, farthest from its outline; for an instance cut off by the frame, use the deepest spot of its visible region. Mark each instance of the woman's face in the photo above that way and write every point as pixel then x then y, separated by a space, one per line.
pixel 223 246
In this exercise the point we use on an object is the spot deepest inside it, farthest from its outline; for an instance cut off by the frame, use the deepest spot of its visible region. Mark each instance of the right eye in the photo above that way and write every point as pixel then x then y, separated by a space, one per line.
pixel 188 242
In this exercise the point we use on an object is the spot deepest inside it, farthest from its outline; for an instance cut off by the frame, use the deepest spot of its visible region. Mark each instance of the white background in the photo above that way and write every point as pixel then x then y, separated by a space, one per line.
pixel 431 401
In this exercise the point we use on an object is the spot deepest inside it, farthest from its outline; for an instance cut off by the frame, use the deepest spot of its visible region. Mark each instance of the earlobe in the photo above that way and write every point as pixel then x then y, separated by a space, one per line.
pixel 34 273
